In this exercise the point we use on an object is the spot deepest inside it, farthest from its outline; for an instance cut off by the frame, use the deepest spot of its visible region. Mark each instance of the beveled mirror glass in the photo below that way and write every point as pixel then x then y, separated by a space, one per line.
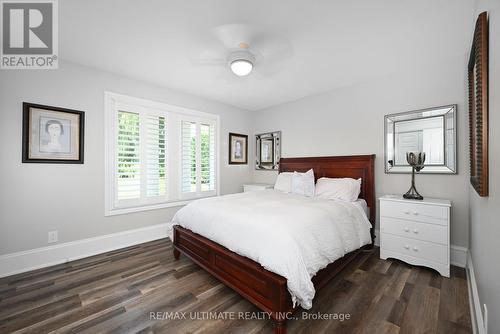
pixel 432 131
pixel 268 150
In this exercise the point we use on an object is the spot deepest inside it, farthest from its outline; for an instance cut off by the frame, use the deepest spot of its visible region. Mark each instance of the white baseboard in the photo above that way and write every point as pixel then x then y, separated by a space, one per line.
pixel 478 325
pixel 458 254
pixel 15 263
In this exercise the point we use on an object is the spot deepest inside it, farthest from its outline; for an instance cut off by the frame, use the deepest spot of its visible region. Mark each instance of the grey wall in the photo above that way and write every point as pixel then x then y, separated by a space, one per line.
pixel 485 212
pixel 349 121
pixel 37 198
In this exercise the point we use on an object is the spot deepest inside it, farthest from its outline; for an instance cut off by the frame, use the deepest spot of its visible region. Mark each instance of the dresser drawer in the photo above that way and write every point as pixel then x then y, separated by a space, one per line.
pixel 433 214
pixel 415 230
pixel 415 248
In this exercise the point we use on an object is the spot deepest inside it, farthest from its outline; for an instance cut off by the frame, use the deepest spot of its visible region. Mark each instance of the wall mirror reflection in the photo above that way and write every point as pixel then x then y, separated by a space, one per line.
pixel 432 131
pixel 268 150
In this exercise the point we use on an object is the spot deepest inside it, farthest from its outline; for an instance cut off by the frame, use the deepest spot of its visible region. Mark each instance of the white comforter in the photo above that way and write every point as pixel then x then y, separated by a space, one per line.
pixel 291 235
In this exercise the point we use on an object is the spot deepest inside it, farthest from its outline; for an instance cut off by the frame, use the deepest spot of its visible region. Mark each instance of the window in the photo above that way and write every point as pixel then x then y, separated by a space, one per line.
pixel 198 157
pixel 157 155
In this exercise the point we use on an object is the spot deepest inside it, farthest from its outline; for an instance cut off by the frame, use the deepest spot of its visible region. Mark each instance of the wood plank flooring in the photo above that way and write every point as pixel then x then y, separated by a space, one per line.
pixel 117 292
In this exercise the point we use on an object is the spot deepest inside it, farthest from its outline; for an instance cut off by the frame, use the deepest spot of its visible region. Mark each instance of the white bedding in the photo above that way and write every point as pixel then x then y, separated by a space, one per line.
pixel 362 203
pixel 291 235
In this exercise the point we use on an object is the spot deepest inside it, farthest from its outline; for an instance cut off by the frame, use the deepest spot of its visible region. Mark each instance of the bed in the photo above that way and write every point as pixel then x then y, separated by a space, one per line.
pixel 265 288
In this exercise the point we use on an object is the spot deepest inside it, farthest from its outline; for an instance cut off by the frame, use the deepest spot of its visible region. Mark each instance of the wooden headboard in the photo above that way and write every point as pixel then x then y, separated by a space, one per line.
pixel 354 166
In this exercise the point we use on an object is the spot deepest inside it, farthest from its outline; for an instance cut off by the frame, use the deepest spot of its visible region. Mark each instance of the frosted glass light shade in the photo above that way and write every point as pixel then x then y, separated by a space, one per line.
pixel 241 67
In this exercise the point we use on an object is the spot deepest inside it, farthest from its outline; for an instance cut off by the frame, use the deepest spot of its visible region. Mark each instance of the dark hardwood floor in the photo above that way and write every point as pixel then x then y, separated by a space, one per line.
pixel 117 292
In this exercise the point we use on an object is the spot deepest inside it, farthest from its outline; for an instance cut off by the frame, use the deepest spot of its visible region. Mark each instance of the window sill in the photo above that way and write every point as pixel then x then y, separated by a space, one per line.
pixel 148 207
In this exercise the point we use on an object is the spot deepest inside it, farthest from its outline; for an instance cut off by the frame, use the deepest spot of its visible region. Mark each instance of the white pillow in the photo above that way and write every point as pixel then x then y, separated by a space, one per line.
pixel 284 182
pixel 303 183
pixel 344 189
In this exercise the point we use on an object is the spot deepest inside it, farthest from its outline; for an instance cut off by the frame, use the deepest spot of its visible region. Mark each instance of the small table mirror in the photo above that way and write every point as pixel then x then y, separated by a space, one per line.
pixel 432 131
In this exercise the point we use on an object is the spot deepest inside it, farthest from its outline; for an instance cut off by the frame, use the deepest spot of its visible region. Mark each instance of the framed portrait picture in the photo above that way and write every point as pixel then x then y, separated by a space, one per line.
pixel 238 149
pixel 52 135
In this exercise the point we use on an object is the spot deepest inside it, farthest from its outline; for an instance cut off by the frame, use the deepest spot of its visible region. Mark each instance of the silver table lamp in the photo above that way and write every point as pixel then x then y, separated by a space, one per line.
pixel 416 161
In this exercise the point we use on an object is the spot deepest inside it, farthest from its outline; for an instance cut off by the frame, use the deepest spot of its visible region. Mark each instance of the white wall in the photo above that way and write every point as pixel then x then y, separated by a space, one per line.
pixel 485 211
pixel 37 198
pixel 350 121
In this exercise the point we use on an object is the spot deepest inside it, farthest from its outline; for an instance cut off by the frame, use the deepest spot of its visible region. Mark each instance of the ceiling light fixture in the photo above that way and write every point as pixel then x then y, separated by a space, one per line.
pixel 241 62
pixel 241 67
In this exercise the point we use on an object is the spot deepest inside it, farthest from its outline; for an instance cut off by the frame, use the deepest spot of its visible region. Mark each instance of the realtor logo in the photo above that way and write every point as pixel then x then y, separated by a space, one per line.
pixel 29 34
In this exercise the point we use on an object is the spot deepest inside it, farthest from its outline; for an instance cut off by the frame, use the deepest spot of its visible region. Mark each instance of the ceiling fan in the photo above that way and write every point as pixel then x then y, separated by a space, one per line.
pixel 242 48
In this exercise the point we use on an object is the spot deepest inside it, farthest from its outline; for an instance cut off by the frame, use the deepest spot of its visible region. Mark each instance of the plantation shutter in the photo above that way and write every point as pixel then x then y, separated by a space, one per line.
pixel 128 163
pixel 207 138
pixel 188 156
pixel 155 164
pixel 197 157
pixel 157 155
pixel 141 170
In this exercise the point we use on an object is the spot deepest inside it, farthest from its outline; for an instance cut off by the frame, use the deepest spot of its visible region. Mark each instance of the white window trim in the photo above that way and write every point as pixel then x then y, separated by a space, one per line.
pixel 110 100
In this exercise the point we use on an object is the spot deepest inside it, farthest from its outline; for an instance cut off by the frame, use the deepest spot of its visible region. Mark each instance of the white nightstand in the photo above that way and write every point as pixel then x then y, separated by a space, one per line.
pixel 256 186
pixel 417 232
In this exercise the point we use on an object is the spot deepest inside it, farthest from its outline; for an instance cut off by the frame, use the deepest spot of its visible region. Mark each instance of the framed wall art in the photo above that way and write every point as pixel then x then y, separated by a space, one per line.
pixel 238 149
pixel 52 135
pixel 478 106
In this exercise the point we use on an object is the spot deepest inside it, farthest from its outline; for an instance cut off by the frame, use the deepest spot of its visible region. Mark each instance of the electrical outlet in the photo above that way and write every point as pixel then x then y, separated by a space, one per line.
pixel 485 318
pixel 53 237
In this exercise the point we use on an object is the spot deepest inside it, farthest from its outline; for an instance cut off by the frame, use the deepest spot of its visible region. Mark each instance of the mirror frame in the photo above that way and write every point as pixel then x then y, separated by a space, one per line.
pixel 478 107
pixel 275 136
pixel 441 169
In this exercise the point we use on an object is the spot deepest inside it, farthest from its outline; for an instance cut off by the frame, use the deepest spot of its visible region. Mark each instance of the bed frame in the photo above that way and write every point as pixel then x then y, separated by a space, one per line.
pixel 266 290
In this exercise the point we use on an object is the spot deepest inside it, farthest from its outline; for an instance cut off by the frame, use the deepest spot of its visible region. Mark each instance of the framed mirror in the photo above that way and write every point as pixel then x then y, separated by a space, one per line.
pixel 268 150
pixel 478 107
pixel 432 131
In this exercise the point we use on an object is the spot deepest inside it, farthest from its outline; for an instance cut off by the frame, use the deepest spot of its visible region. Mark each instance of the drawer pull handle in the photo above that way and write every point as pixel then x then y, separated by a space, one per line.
pixel 415 231
pixel 407 229
pixel 415 249
pixel 407 212
pixel 415 213
pixel 407 247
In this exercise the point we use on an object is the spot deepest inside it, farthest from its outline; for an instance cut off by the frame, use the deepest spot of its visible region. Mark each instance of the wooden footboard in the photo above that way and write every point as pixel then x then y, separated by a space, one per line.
pixel 266 290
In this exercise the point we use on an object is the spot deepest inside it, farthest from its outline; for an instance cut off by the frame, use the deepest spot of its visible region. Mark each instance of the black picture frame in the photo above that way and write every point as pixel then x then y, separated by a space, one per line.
pixel 231 158
pixel 27 128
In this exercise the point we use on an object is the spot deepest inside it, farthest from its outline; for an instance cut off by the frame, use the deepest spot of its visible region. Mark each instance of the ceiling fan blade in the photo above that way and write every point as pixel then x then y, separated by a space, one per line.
pixel 205 53
pixel 271 51
pixel 207 61
pixel 270 69
pixel 271 48
pixel 231 35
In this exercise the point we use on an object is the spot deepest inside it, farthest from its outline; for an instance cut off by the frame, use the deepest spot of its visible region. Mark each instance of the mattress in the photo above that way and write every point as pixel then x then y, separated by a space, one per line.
pixel 291 235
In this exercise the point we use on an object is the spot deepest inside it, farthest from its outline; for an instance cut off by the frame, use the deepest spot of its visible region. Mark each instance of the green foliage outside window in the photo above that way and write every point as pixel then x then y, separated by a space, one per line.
pixel 128 148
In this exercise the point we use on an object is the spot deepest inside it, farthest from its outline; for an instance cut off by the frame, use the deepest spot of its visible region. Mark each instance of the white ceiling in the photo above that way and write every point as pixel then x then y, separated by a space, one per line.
pixel 334 42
